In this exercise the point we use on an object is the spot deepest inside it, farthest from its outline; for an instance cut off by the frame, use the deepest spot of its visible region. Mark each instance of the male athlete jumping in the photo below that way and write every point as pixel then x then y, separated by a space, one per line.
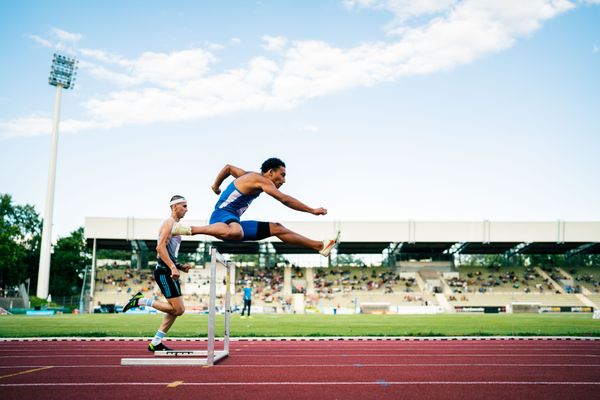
pixel 166 275
pixel 225 221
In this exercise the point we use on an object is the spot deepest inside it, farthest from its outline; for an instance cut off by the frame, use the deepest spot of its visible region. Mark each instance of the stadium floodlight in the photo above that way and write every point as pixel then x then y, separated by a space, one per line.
pixel 63 72
pixel 62 75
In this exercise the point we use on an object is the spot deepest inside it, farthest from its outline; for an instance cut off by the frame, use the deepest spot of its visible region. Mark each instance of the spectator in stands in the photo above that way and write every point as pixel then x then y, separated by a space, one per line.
pixel 247 299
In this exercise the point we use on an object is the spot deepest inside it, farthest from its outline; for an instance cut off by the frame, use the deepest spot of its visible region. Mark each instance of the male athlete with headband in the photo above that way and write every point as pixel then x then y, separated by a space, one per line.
pixel 166 275
pixel 225 221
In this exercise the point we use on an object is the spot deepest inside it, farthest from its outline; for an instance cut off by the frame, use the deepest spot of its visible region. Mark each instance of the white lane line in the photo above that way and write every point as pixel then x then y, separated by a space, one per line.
pixel 321 349
pixel 322 355
pixel 360 365
pixel 325 383
pixel 338 339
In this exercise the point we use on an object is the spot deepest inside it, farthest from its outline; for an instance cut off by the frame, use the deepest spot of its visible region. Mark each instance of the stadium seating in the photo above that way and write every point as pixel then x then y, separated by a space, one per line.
pixel 347 288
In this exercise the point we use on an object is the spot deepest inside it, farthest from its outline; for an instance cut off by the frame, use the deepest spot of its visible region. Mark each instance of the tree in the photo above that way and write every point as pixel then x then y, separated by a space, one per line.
pixel 20 237
pixel 69 260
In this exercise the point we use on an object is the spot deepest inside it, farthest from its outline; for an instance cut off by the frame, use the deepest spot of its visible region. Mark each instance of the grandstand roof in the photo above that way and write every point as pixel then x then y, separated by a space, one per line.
pixel 418 237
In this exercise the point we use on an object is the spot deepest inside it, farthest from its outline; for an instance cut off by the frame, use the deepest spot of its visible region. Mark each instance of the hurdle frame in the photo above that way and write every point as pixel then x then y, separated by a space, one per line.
pixel 210 356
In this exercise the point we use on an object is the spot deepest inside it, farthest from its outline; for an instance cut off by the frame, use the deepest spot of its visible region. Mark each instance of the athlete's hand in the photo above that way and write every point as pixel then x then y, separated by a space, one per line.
pixel 185 267
pixel 174 274
pixel 216 189
pixel 320 211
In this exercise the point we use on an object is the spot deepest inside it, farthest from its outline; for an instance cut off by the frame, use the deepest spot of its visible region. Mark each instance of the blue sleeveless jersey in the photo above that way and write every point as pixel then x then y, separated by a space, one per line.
pixel 233 201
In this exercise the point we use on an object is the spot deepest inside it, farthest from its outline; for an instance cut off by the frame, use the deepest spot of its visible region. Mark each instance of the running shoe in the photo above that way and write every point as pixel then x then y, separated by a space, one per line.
pixel 133 302
pixel 158 347
pixel 328 245
pixel 179 229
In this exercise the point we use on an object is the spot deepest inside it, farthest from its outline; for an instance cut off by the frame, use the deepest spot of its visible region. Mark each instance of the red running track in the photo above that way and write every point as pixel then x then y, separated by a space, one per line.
pixel 447 369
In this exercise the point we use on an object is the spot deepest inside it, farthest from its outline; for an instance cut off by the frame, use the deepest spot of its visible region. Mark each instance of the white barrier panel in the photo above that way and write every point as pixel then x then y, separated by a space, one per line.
pixel 298 301
pixel 417 309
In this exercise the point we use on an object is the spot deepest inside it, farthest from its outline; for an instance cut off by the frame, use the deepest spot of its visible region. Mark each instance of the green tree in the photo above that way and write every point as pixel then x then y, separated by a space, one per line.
pixel 20 237
pixel 69 260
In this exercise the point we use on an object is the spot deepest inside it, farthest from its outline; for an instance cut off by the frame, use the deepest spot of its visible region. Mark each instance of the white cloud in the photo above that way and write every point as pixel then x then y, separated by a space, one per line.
pixel 65 36
pixel 215 46
pixel 42 41
pixel 235 40
pixel 403 9
pixel 103 56
pixel 352 4
pixel 309 128
pixel 274 43
pixel 162 69
pixel 36 125
pixel 64 41
pixel 182 85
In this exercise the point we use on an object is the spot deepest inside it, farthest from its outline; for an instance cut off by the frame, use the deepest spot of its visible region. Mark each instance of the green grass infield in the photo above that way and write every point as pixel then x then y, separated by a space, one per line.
pixel 190 326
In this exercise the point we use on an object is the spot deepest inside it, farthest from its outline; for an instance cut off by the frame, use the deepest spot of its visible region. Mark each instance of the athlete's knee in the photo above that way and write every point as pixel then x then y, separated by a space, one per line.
pixel 233 234
pixel 178 310
pixel 277 228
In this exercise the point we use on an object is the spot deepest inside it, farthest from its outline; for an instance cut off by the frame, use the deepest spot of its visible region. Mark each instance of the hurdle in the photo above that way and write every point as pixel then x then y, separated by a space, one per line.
pixel 210 356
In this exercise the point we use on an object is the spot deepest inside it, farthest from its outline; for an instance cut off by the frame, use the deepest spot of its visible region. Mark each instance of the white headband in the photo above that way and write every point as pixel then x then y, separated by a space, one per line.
pixel 177 201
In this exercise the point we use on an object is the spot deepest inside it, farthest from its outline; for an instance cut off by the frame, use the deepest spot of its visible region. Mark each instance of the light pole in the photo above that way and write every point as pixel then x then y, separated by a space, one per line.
pixel 62 75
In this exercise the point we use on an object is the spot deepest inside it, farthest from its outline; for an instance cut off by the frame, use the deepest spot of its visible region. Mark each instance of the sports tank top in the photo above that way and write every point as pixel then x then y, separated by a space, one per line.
pixel 234 201
pixel 172 249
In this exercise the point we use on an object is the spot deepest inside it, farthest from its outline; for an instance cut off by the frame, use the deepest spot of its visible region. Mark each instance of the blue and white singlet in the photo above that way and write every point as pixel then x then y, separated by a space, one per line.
pixel 233 201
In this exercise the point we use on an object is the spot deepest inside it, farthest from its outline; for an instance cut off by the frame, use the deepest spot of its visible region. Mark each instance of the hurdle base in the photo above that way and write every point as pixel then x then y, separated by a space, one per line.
pixel 181 353
pixel 186 358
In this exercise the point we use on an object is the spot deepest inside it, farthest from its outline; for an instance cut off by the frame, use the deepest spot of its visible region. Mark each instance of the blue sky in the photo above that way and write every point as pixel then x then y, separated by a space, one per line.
pixel 382 109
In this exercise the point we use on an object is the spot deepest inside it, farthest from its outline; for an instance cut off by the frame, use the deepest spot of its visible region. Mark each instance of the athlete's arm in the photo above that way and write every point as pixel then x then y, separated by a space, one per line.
pixel 269 188
pixel 161 247
pixel 228 170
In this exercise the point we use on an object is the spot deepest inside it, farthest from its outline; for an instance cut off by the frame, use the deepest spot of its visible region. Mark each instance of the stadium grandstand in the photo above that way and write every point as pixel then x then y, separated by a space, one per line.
pixel 422 267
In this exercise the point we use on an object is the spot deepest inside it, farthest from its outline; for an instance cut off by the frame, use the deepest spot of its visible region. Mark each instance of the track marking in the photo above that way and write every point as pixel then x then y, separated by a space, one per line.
pixel 174 384
pixel 26 372
pixel 312 383
pixel 356 365
pixel 321 355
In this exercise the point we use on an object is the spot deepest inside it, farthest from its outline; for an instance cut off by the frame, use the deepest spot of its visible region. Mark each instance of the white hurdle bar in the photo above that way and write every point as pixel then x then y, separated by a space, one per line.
pixel 200 357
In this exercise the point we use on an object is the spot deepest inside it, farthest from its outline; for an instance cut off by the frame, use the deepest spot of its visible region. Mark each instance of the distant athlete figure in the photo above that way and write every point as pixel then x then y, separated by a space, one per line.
pixel 166 275
pixel 225 221
pixel 247 299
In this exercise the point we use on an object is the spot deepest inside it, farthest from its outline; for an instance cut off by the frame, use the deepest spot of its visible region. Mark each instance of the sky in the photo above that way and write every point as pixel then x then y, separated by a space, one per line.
pixel 383 110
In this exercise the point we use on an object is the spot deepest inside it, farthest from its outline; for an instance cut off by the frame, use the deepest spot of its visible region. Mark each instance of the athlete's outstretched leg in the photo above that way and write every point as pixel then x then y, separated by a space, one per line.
pixel 290 237
pixel 220 230
pixel 287 236
pixel 249 230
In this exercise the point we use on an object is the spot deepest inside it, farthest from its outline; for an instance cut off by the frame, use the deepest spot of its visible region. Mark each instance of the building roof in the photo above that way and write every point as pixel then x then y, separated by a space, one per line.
pixel 418 237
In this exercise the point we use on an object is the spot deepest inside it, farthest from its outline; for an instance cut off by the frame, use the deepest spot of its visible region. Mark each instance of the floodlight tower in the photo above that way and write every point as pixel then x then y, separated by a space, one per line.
pixel 62 75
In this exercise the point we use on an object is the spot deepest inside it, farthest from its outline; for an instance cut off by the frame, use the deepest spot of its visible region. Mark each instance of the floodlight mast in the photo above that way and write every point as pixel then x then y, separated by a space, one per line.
pixel 62 75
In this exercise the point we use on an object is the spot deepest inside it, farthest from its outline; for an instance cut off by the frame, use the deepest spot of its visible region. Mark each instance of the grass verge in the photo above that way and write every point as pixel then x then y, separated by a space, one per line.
pixel 306 325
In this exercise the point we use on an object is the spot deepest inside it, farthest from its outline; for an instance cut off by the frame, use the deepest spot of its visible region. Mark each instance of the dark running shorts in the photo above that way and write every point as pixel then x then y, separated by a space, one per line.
pixel 253 230
pixel 169 288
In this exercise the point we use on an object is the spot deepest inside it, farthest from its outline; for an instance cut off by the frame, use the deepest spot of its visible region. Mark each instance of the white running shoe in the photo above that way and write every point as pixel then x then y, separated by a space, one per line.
pixel 328 245
pixel 179 229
